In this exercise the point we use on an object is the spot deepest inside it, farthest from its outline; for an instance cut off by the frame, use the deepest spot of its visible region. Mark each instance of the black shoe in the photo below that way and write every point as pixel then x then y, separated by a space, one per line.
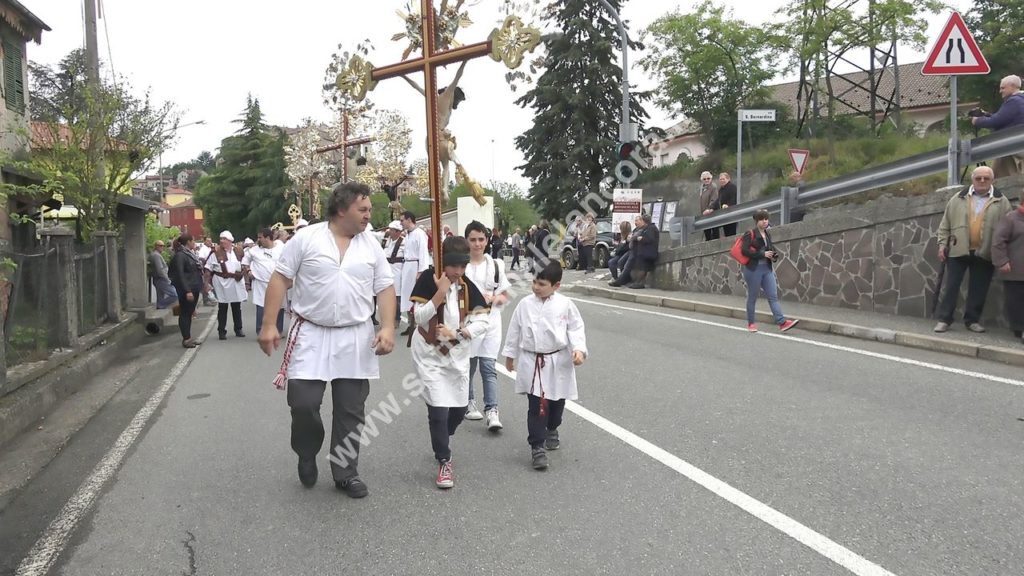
pixel 637 286
pixel 222 336
pixel 240 334
pixel 552 442
pixel 540 458
pixel 307 472
pixel 407 331
pixel 616 283
pixel 354 487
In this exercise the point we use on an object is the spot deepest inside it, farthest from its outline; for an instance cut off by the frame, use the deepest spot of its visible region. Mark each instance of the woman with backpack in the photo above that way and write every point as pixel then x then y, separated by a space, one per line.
pixel 757 247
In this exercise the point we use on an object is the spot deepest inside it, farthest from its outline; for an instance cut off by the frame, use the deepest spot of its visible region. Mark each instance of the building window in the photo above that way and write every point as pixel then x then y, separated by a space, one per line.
pixel 664 159
pixel 14 87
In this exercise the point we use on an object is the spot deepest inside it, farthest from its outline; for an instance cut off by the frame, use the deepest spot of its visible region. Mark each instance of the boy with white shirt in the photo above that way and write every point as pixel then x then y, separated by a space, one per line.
pixel 489 276
pixel 544 343
pixel 259 263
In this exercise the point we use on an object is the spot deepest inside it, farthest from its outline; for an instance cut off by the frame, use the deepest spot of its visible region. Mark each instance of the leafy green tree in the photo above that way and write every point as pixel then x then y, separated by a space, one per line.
pixel 709 64
pixel 998 26
pixel 571 147
pixel 248 188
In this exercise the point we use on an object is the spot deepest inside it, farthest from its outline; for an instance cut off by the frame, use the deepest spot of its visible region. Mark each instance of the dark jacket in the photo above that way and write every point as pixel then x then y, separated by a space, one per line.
pixel 539 238
pixel 647 239
pixel 1011 113
pixel 1008 246
pixel 726 195
pixel 185 272
pixel 754 247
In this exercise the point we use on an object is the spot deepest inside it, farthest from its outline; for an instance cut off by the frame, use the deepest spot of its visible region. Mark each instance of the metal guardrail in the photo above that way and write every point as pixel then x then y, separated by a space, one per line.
pixel 995 145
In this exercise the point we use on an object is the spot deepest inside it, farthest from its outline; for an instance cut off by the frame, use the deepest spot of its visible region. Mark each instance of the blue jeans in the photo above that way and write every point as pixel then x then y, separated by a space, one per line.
pixel 259 320
pixel 762 277
pixel 490 379
pixel 166 295
pixel 620 266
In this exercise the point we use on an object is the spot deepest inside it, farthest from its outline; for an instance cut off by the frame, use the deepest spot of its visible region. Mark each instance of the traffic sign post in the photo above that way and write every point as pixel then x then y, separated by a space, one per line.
pixel 799 158
pixel 954 53
pixel 741 117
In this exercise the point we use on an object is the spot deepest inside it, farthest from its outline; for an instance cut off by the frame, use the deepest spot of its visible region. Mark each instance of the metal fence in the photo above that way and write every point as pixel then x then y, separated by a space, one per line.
pixel 91 275
pixel 31 312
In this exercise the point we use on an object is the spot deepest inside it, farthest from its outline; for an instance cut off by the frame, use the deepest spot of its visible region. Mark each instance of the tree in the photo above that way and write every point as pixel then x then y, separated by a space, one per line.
pixel 307 170
pixel 134 131
pixel 387 167
pixel 244 192
pixel 199 166
pixel 998 26
pixel 571 147
pixel 710 64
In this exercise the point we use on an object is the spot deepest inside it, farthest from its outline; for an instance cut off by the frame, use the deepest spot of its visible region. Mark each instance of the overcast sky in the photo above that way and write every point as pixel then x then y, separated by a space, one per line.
pixel 205 56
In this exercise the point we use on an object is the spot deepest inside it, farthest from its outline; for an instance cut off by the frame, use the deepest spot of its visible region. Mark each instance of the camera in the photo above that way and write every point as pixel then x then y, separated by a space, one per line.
pixel 776 256
pixel 976 113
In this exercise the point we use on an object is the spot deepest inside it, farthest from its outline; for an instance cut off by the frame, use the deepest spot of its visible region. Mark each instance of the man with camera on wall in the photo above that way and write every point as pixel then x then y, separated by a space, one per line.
pixel 1010 114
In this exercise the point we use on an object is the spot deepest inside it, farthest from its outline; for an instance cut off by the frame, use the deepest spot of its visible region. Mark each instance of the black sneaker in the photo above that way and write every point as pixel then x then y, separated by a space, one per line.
pixel 540 458
pixel 240 334
pixel 552 442
pixel 354 487
pixel 222 336
pixel 307 472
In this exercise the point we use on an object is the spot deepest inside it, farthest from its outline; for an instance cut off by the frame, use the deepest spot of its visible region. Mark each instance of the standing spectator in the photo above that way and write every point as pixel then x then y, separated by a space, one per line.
pixel 1011 113
pixel 539 250
pixel 646 240
pixel 708 203
pixel 759 273
pixel 586 238
pixel 186 274
pixel 620 256
pixel 496 244
pixel 531 234
pixel 726 198
pixel 395 253
pixel 517 247
pixel 226 266
pixel 965 245
pixel 259 263
pixel 165 295
pixel 1008 258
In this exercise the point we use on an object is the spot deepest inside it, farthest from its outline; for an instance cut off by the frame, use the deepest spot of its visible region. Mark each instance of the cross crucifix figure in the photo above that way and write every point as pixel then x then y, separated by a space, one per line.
pixel 507 44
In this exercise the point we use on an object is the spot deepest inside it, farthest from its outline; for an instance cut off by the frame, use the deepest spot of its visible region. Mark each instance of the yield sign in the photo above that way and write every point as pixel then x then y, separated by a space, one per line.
pixel 955 52
pixel 799 159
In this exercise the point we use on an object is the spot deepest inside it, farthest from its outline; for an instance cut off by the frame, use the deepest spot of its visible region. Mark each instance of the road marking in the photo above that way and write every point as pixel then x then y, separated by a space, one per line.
pixel 48 548
pixel 819 543
pixel 837 347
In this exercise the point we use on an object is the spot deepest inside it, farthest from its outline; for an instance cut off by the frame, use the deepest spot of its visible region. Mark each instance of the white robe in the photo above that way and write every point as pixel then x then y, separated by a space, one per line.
pixel 227 290
pixel 445 379
pixel 261 262
pixel 554 327
pixel 396 269
pixel 482 275
pixel 335 301
pixel 417 259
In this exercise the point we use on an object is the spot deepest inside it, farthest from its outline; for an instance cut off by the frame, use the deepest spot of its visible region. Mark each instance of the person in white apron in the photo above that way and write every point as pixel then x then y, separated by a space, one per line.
pixel 225 264
pixel 417 259
pixel 259 263
pixel 394 249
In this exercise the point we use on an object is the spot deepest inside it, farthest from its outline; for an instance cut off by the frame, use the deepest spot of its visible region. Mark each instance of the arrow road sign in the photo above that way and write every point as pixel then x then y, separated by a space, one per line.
pixel 955 52
pixel 799 159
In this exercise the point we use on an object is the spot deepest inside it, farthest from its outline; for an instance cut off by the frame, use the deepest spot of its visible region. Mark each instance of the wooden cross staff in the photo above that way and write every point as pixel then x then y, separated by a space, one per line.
pixel 507 44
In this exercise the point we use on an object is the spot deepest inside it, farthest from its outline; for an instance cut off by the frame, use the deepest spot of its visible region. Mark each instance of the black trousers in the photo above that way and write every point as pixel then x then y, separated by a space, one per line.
pixel 729 230
pixel 1013 304
pixel 711 234
pixel 222 317
pixel 538 425
pixel 515 258
pixel 980 278
pixel 348 400
pixel 443 423
pixel 587 258
pixel 187 308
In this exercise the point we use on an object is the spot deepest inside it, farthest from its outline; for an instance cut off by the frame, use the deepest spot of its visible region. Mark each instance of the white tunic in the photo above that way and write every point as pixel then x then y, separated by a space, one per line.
pixel 227 290
pixel 555 327
pixel 482 275
pixel 396 268
pixel 261 262
pixel 417 259
pixel 445 379
pixel 335 299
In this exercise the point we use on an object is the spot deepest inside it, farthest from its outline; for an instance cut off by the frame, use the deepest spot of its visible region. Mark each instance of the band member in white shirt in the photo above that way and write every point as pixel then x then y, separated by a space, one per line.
pixel 225 264
pixel 334 271
pixel 417 259
pixel 394 249
pixel 259 263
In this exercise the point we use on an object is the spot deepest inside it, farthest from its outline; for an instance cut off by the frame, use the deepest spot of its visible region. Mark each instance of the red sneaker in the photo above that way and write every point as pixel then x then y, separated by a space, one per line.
pixel 752 327
pixel 445 479
pixel 787 325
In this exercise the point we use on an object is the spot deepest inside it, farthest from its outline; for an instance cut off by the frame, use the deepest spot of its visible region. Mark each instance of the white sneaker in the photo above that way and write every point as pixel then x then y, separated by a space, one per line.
pixel 493 424
pixel 472 413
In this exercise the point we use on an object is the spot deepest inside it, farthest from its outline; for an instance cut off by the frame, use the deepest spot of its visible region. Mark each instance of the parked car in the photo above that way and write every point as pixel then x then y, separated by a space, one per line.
pixel 602 249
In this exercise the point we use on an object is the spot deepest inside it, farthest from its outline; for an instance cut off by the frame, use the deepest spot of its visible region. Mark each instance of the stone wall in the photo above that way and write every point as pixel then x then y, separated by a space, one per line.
pixel 880 257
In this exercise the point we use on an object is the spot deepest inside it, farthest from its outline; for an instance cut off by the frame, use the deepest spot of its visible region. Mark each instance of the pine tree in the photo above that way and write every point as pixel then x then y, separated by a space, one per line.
pixel 246 190
pixel 571 147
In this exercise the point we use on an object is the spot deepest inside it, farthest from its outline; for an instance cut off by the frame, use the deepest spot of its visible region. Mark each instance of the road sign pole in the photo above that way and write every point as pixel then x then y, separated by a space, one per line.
pixel 954 137
pixel 739 154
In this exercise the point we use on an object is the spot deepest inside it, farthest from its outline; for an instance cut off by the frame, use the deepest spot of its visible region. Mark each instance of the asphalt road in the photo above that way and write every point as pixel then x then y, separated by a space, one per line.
pixel 696 448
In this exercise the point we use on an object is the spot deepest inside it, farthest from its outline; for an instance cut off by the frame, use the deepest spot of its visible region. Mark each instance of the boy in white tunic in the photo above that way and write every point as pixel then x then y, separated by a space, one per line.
pixel 259 263
pixel 544 343
pixel 489 276
pixel 225 264
pixel 448 311
pixel 334 271
pixel 417 259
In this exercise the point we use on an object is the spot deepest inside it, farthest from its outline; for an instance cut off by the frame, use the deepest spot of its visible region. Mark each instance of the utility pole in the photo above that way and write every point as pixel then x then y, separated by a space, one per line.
pixel 97 137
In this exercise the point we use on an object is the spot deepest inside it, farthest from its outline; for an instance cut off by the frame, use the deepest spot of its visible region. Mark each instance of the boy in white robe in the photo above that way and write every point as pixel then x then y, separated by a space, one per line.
pixel 449 312
pixel 489 276
pixel 544 344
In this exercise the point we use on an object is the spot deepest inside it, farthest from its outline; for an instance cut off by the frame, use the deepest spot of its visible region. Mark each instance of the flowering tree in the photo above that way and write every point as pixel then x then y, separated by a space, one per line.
pixel 387 165
pixel 307 169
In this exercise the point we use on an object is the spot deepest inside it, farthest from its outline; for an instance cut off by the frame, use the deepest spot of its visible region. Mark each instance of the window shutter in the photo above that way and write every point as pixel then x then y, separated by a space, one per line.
pixel 14 87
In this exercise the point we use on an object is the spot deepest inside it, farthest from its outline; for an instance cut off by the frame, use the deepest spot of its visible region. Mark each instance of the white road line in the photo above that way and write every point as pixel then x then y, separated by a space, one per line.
pixel 821 544
pixel 55 538
pixel 880 356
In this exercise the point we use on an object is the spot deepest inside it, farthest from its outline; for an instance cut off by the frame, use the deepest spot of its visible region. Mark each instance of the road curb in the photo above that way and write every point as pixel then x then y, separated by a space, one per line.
pixel 908 339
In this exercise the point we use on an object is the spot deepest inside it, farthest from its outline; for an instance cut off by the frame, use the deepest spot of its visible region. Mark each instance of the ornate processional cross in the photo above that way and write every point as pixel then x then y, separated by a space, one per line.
pixel 507 44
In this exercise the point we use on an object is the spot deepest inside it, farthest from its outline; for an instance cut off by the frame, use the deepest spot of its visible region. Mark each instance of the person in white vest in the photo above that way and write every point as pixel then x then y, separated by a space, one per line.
pixel 417 259
pixel 203 251
pixel 225 264
pixel 394 249
pixel 488 274
pixel 259 263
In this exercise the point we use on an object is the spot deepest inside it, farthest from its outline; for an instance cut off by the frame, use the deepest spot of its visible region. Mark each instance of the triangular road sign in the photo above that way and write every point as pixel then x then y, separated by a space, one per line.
pixel 955 52
pixel 799 159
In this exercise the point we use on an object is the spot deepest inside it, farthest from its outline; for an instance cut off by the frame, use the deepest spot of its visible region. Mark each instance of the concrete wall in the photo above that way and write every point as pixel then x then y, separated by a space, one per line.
pixel 879 257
